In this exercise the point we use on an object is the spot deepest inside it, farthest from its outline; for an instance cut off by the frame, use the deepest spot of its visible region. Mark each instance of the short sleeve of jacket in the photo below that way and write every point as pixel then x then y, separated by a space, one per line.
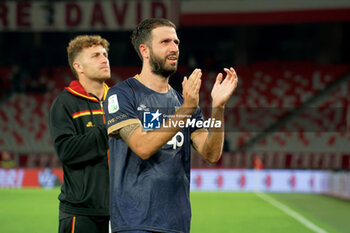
pixel 120 109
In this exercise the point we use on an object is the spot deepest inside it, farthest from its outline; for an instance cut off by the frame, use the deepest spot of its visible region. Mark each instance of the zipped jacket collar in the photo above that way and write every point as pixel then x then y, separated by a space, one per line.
pixel 77 89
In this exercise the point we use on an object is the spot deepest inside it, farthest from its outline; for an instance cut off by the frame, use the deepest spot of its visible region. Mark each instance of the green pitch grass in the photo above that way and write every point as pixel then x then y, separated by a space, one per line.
pixel 248 213
pixel 36 211
pixel 28 210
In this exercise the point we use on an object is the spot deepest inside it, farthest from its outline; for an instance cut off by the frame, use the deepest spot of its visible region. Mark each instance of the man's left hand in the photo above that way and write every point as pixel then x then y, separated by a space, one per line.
pixel 223 89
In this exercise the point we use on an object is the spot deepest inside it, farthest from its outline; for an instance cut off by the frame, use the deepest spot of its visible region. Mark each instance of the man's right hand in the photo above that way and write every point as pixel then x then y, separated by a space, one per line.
pixel 190 90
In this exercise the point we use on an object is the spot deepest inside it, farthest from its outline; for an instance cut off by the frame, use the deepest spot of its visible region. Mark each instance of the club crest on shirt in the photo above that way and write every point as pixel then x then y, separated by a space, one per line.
pixel 113 105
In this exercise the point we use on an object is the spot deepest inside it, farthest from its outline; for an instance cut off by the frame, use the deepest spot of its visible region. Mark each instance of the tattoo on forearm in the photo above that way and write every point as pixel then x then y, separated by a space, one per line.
pixel 126 131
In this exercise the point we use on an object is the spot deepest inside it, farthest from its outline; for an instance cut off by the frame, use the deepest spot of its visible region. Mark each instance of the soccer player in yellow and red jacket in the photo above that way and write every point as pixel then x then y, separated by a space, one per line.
pixel 78 132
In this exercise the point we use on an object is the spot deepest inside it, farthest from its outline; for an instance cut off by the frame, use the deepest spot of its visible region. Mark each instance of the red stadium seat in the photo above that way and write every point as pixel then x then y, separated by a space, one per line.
pixel 266 91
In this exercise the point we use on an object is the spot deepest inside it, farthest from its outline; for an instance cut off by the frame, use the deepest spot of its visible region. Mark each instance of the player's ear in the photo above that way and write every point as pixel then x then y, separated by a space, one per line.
pixel 77 66
pixel 144 50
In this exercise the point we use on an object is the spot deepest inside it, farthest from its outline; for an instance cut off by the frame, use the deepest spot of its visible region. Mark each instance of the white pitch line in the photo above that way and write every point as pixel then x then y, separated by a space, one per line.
pixel 291 213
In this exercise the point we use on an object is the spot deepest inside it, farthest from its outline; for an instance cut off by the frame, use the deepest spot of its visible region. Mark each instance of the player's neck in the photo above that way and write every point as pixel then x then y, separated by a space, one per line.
pixel 94 87
pixel 154 82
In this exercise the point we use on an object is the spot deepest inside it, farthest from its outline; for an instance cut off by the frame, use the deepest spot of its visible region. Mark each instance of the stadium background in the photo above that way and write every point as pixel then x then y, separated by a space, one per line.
pixel 287 124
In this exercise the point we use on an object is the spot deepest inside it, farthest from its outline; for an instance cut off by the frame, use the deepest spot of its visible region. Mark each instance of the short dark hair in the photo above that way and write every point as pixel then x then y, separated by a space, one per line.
pixel 81 42
pixel 142 33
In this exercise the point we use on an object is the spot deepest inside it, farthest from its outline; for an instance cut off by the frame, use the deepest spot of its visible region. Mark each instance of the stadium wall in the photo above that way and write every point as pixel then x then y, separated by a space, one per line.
pixel 30 177
pixel 331 183
pixel 126 14
pixel 229 180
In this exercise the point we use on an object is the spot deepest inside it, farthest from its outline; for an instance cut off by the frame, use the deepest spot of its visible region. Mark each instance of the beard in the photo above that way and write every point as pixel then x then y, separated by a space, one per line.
pixel 159 66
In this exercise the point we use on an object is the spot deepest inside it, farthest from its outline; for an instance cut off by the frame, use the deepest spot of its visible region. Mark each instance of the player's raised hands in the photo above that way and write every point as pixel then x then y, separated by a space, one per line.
pixel 223 89
pixel 190 89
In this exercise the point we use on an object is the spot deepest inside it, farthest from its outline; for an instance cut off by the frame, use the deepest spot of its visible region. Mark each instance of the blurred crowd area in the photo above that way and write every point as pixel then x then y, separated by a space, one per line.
pixel 210 48
pixel 279 66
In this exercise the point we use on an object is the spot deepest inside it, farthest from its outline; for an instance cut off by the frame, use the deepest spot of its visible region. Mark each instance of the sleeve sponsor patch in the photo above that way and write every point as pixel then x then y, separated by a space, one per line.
pixel 113 105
